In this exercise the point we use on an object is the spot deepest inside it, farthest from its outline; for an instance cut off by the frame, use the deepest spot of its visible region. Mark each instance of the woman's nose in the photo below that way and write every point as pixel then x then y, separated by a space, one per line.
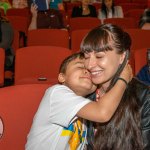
pixel 91 63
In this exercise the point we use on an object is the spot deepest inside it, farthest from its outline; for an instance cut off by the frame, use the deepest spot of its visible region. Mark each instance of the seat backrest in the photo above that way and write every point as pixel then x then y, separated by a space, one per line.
pixel 140 38
pixel 134 13
pixel 97 5
pixel 2 12
pixel 51 37
pixel 39 64
pixel 69 6
pixel 18 12
pixel 117 2
pixel 83 23
pixel 122 22
pixel 19 23
pixel 76 38
pixel 16 40
pixel 139 1
pixel 18 105
pixel 128 6
pixel 140 59
pixel 148 3
pixel 2 62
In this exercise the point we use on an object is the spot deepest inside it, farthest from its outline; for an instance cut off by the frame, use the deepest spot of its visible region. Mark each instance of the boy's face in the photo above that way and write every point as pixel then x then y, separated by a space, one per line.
pixel 78 78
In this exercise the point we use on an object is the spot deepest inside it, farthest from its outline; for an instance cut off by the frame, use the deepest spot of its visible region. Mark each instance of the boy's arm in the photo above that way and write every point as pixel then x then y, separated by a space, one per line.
pixel 103 110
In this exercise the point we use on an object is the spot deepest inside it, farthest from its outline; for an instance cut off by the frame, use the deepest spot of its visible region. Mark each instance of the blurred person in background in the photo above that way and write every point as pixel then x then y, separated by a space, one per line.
pixel 144 24
pixel 5 4
pixel 56 4
pixel 50 18
pixel 109 10
pixel 6 40
pixel 19 3
pixel 85 10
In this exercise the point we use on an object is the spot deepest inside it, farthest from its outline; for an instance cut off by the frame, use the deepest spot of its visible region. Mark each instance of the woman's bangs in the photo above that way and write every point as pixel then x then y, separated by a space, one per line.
pixel 96 42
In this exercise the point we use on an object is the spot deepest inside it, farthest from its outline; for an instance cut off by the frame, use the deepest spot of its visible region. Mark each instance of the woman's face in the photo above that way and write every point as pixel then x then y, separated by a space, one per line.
pixel 103 65
pixel 108 3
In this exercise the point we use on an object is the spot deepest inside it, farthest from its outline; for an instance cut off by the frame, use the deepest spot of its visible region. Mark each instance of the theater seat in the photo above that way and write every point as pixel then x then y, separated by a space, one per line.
pixel 18 105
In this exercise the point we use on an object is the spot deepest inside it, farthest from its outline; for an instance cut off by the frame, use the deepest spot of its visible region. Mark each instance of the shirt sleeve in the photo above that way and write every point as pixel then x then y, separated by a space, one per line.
pixel 119 12
pixel 64 105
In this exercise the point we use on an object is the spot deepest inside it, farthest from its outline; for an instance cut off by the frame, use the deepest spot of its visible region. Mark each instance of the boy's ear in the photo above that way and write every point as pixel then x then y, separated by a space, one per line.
pixel 61 78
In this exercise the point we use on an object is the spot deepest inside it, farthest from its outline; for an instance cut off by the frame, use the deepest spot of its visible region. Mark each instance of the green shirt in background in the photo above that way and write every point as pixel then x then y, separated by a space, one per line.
pixel 5 6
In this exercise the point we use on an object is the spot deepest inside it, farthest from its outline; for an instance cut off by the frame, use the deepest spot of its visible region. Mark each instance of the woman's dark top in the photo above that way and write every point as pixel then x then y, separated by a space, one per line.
pixel 77 12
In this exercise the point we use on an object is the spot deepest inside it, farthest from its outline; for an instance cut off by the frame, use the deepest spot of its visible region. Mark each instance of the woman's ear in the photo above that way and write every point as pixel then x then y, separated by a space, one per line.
pixel 61 77
pixel 122 57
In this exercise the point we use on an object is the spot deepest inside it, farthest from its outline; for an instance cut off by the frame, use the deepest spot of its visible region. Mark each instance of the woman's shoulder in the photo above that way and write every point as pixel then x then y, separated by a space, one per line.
pixel 118 8
pixel 141 89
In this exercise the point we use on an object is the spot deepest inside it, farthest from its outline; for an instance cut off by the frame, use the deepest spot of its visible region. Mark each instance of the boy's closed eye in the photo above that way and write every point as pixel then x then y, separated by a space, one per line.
pixel 81 66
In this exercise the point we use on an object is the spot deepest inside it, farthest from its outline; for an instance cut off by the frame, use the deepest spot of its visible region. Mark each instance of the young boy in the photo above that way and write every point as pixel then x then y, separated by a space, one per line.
pixel 56 125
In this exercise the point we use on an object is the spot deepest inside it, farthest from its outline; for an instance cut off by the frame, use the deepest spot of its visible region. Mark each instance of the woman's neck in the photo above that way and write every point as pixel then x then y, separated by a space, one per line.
pixel 103 87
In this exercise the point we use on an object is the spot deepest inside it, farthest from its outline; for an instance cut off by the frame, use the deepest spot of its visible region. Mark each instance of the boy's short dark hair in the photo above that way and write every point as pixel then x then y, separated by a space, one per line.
pixel 66 61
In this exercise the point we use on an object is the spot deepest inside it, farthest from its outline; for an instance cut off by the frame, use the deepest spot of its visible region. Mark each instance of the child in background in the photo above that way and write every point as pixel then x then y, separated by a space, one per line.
pixel 5 4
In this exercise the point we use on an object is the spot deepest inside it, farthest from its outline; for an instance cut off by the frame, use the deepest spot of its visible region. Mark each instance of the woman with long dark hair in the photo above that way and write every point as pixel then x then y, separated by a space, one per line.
pixel 109 10
pixel 106 49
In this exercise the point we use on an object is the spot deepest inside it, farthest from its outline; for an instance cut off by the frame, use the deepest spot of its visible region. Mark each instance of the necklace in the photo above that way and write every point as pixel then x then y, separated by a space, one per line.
pixel 99 93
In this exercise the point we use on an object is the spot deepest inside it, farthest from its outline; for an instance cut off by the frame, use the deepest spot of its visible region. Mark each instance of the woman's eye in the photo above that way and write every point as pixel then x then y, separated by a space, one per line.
pixel 99 57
